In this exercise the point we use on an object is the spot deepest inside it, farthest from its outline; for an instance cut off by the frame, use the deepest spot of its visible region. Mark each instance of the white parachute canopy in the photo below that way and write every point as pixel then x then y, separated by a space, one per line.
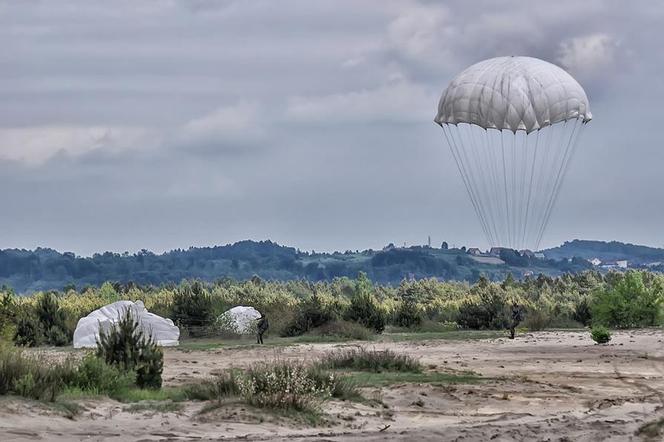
pixel 162 330
pixel 512 124
pixel 240 320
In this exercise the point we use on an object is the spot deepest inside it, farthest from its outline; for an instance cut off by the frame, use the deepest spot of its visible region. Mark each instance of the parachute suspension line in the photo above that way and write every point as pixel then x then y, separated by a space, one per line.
pixel 463 149
pixel 464 176
pixel 507 206
pixel 480 160
pixel 523 158
pixel 564 143
pixel 530 189
pixel 562 171
pixel 513 194
pixel 543 177
pixel 495 185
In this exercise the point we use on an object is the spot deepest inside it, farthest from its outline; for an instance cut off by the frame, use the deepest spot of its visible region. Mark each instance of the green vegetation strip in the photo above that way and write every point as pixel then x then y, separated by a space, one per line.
pixel 238 344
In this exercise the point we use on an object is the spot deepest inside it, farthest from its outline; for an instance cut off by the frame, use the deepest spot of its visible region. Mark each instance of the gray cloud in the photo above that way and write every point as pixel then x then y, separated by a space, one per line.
pixel 163 124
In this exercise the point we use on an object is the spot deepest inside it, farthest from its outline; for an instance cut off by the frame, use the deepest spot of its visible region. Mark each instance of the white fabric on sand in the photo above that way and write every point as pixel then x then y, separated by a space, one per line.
pixel 162 330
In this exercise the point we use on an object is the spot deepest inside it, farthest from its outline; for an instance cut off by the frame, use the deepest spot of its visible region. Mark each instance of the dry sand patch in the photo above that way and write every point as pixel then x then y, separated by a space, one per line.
pixel 554 385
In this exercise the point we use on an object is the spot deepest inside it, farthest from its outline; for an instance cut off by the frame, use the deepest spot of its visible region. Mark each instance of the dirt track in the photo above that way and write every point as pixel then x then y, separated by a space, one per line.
pixel 542 386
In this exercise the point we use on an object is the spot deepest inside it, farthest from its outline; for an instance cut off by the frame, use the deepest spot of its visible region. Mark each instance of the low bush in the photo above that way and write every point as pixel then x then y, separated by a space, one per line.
pixel 409 314
pixel 126 346
pixel 536 320
pixel 192 309
pixel 286 386
pixel 488 310
pixel 310 314
pixel 343 330
pixel 600 334
pixel 95 376
pixel 340 387
pixel 361 359
pixel 28 332
pixel 280 385
pixel 33 376
pixel 364 307
pixel 52 320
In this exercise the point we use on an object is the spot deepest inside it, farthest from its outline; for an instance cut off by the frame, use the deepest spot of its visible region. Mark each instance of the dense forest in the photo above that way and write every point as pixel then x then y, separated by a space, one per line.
pixel 45 269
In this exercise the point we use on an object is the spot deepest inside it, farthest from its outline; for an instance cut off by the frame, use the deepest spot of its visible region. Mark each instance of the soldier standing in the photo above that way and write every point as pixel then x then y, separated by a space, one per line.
pixel 517 317
pixel 261 328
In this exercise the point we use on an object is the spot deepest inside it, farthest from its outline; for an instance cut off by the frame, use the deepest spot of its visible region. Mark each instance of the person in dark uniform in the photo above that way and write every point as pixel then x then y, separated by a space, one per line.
pixel 517 317
pixel 261 328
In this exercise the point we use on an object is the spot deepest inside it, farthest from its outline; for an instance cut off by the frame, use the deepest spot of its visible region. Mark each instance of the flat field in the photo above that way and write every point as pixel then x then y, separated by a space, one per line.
pixel 553 385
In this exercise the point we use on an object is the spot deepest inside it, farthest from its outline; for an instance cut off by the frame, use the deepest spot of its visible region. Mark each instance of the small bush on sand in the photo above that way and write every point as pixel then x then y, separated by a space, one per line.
pixel 340 387
pixel 377 361
pixel 600 334
pixel 221 386
pixel 94 375
pixel 128 348
pixel 286 386
pixel 32 376
pixel 279 385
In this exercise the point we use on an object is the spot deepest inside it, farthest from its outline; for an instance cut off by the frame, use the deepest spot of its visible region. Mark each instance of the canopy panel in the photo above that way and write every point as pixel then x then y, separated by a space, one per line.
pixel 513 93
pixel 161 330
pixel 240 319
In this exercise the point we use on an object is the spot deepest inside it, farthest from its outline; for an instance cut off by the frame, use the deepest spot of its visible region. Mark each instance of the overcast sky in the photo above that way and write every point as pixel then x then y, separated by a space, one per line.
pixel 165 124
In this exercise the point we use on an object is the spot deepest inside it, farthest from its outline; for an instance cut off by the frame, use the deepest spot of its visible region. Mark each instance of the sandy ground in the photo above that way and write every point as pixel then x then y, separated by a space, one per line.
pixel 549 386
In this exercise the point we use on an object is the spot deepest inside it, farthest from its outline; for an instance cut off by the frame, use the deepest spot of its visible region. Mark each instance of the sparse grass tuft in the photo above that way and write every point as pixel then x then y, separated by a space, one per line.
pixel 652 430
pixel 32 376
pixel 361 359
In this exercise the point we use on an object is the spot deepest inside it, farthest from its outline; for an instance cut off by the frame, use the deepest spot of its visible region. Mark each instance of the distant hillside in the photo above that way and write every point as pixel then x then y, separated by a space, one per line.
pixel 606 251
pixel 44 269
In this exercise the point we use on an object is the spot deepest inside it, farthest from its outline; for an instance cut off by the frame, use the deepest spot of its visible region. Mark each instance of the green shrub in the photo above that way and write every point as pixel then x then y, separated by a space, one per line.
pixel 96 376
pixel 52 320
pixel 310 314
pixel 340 387
pixel 192 309
pixel 409 314
pixel 280 385
pixel 126 346
pixel 628 302
pixel 600 334
pixel 33 376
pixel 361 359
pixel 28 332
pixel 364 307
pixel 582 312
pixel 286 386
pixel 489 311
pixel 343 330
pixel 150 366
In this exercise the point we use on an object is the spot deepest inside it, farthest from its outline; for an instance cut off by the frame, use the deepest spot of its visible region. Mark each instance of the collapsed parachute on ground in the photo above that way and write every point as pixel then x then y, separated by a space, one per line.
pixel 240 320
pixel 162 330
pixel 512 124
